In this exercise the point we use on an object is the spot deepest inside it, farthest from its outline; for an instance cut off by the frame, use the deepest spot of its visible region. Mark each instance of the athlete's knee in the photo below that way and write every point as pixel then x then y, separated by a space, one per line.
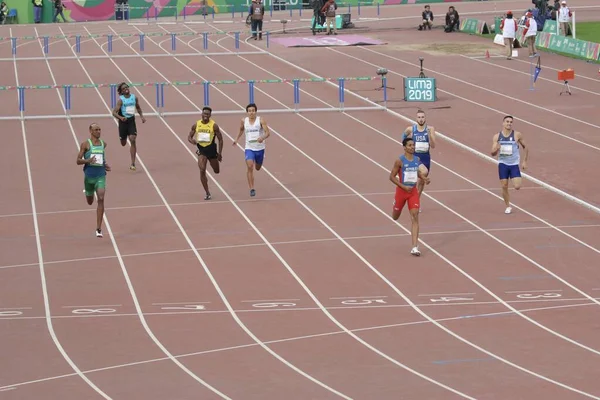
pixel 89 199
pixel 258 166
pixel 123 142
pixel 414 215
pixel 504 183
pixel 132 139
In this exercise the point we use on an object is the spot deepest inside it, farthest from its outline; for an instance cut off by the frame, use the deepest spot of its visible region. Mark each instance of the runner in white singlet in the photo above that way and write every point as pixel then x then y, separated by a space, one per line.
pixel 256 131
pixel 505 145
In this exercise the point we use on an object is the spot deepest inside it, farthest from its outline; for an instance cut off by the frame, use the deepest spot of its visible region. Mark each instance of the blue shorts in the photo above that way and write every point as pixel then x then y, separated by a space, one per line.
pixel 425 159
pixel 508 171
pixel 255 155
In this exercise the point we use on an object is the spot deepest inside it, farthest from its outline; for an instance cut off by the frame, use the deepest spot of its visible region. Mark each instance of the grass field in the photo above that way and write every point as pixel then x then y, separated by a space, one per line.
pixel 588 31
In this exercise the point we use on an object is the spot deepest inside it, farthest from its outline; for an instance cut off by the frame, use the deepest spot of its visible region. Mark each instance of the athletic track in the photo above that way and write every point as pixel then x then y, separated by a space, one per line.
pixel 307 291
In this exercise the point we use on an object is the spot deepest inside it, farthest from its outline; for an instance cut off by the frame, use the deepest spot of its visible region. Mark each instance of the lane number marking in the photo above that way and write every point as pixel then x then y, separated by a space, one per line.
pixel 94 311
pixel 363 302
pixel 449 299
pixel 539 296
pixel 274 304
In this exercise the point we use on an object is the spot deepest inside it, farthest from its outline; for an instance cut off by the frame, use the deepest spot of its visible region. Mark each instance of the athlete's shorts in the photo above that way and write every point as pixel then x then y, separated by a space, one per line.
pixel 402 196
pixel 255 155
pixel 508 171
pixel 209 151
pixel 93 184
pixel 425 159
pixel 127 128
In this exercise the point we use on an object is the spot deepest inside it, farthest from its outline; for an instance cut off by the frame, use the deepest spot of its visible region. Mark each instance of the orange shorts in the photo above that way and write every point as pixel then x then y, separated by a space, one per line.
pixel 403 196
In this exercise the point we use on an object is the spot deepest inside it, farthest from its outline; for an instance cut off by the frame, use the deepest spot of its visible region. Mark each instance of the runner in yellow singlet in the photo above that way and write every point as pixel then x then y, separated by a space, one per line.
pixel 92 155
pixel 203 134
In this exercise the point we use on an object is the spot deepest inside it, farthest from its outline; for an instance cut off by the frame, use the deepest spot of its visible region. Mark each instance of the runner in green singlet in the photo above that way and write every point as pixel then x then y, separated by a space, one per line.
pixel 92 155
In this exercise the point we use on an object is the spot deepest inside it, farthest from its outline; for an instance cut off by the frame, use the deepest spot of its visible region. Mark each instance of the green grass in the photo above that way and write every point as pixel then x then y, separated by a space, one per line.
pixel 588 31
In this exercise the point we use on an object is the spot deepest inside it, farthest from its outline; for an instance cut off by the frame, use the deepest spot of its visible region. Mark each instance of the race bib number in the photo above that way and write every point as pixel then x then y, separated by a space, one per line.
pixel 99 159
pixel 506 150
pixel 410 176
pixel 203 137
pixel 130 110
pixel 422 147
pixel 253 136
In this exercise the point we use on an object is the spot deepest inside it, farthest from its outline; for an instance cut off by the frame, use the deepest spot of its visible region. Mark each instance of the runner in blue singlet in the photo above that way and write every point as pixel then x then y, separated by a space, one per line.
pixel 407 171
pixel 124 111
pixel 425 138
pixel 505 144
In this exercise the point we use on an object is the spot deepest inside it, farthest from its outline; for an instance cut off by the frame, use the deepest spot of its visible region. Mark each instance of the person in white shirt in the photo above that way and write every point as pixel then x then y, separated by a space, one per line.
pixel 530 34
pixel 256 131
pixel 509 30
pixel 564 17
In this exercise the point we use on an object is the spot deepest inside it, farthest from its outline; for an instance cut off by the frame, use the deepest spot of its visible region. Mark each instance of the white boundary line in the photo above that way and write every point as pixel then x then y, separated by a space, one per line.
pixel 196 203
pixel 452 141
pixel 128 281
pixel 378 273
pixel 282 260
pixel 235 246
pixel 297 338
pixel 40 255
pixel 203 263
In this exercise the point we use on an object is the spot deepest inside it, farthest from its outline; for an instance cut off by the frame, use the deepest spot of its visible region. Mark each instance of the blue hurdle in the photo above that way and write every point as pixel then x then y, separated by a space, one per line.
pixel 250 92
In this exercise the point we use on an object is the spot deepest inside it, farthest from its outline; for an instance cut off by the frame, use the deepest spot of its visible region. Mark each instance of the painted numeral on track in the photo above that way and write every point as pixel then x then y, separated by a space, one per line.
pixel 94 311
pixel 273 305
pixel 13 313
pixel 539 296
pixel 363 302
pixel 449 299
pixel 192 307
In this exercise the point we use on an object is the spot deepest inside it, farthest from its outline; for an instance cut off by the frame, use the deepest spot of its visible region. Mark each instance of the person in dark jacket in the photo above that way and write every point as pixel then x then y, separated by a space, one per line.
pixel 427 19
pixel 318 16
pixel 452 20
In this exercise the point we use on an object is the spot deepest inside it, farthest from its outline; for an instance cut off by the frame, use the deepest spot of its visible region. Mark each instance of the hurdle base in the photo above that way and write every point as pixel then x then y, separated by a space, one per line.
pixel 566 89
pixel 163 114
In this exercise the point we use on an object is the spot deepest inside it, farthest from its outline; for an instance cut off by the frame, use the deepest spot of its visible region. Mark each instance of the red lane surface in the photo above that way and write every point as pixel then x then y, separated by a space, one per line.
pixel 452 362
pixel 160 149
pixel 545 129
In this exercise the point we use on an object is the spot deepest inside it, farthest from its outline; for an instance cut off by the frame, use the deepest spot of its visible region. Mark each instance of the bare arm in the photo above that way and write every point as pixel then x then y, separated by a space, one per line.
pixel 219 136
pixel 191 134
pixel 521 140
pixel 241 132
pixel 422 173
pixel 106 166
pixel 139 110
pixel 83 147
pixel 495 145
pixel 394 176
pixel 432 137
pixel 115 112
pixel 265 127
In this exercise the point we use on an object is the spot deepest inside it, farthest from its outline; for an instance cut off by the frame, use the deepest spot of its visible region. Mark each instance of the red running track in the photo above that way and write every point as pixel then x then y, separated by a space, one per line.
pixel 307 291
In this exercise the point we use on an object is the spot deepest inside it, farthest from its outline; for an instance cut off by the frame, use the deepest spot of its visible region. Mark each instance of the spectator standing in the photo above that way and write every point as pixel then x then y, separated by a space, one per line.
pixel 257 10
pixel 564 17
pixel 329 10
pixel 38 5
pixel 427 19
pixel 509 31
pixel 3 12
pixel 530 33
pixel 452 19
pixel 58 10
pixel 317 5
